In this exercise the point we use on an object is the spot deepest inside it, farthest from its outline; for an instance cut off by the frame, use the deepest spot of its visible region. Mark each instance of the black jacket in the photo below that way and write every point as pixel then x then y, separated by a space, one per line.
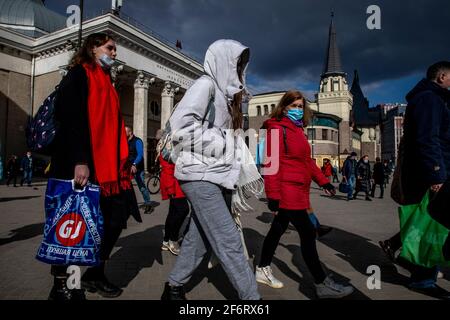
pixel 72 141
pixel 378 173
pixel 427 139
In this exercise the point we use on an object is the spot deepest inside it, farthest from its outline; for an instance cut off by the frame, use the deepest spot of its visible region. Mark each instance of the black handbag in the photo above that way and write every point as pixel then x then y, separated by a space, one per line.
pixel 344 187
pixel 439 206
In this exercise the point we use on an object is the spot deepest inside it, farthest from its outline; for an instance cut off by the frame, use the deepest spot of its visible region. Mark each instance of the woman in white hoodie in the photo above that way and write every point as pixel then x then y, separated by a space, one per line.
pixel 208 163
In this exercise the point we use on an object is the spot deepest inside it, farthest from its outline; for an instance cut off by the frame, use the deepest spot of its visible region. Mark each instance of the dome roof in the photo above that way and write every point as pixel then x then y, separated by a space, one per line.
pixel 30 17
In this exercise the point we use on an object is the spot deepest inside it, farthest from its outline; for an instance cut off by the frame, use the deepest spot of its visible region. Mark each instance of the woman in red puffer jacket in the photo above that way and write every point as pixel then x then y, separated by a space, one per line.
pixel 178 206
pixel 287 181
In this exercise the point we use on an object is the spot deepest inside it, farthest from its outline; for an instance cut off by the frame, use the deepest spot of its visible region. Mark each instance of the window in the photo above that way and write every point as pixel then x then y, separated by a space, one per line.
pixel 272 107
pixel 266 110
pixel 311 134
pixel 258 110
pixel 154 108
pixel 324 134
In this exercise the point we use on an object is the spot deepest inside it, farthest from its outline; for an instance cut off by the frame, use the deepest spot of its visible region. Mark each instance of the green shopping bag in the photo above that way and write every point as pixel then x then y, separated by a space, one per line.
pixel 422 237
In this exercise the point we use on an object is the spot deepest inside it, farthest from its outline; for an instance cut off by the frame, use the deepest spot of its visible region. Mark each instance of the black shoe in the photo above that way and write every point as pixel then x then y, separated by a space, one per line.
pixel 173 293
pixel 323 230
pixel 380 197
pixel 102 286
pixel 387 249
pixel 149 209
pixel 434 291
pixel 368 199
pixel 60 292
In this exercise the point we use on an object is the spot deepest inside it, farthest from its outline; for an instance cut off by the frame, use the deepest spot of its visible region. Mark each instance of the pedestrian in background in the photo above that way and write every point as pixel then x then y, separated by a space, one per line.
pixel 327 169
pixel 12 170
pixel 363 177
pixel 136 158
pixel 349 174
pixel 178 206
pixel 335 174
pixel 378 177
pixel 26 167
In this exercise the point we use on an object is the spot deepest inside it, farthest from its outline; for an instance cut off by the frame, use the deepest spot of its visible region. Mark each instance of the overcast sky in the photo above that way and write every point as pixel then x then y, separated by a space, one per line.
pixel 288 38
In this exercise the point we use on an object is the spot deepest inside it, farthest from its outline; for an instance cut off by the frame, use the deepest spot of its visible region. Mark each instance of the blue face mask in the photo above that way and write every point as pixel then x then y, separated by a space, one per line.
pixel 106 61
pixel 295 114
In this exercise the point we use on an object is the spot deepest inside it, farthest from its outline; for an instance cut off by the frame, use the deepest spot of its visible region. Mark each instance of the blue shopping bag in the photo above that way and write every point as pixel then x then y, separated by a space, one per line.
pixel 73 228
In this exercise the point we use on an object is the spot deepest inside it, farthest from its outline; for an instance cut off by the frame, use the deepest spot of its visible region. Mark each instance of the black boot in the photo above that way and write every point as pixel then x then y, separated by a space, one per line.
pixel 94 280
pixel 60 291
pixel 173 293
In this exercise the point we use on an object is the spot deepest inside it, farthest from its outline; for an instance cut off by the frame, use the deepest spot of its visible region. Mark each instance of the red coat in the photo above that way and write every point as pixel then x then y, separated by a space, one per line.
pixel 327 170
pixel 169 184
pixel 291 182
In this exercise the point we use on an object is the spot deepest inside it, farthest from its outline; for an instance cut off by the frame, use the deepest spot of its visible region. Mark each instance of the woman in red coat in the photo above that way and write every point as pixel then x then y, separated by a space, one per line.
pixel 178 206
pixel 287 190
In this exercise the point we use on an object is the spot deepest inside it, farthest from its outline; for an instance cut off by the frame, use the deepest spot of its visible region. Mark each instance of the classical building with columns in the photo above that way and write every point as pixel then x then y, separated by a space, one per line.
pixel 35 49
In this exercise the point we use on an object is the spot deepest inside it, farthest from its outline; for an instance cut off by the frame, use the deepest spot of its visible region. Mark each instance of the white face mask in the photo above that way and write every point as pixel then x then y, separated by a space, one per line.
pixel 366 161
pixel 106 61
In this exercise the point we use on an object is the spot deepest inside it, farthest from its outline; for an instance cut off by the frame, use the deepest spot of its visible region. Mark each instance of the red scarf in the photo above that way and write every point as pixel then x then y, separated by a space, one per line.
pixel 108 139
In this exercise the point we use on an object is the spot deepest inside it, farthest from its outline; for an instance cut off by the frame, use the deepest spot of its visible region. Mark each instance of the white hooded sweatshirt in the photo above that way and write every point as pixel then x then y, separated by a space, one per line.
pixel 203 151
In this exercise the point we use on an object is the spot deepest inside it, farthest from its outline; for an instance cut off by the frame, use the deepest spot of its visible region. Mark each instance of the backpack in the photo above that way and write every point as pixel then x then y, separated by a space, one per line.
pixel 165 145
pixel 41 129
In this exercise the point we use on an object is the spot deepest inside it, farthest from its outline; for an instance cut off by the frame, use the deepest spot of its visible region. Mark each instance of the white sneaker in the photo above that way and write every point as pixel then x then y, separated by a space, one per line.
pixel 264 275
pixel 171 246
pixel 329 289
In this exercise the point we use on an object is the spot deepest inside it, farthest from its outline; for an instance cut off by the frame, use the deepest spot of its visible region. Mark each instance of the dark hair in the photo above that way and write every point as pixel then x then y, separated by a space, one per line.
pixel 378 159
pixel 85 54
pixel 235 107
pixel 437 68
pixel 287 99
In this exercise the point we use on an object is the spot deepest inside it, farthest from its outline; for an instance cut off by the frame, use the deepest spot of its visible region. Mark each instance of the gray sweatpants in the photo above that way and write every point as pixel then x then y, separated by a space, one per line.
pixel 213 227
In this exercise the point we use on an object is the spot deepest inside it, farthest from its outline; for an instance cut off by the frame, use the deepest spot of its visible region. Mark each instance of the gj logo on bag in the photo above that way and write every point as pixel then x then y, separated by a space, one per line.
pixel 70 230
pixel 74 225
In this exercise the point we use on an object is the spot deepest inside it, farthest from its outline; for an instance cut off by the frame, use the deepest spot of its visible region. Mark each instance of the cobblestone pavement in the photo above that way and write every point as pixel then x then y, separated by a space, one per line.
pixel 140 267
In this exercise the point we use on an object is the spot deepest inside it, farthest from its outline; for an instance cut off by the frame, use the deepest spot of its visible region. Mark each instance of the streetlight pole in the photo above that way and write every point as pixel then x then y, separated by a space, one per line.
pixel 80 29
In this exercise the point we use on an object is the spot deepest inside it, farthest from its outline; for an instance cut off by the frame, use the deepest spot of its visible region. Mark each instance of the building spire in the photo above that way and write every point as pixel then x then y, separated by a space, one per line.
pixel 333 64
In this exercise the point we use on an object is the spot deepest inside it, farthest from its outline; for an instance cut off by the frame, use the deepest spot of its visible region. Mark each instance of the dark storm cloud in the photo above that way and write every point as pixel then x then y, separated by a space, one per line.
pixel 288 38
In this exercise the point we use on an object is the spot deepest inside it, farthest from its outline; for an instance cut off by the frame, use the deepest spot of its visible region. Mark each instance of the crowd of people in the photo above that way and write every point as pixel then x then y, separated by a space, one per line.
pixel 201 182
pixel 14 168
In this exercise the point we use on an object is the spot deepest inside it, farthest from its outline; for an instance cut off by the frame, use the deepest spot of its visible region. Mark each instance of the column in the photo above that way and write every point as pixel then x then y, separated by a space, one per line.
pixel 140 113
pixel 167 98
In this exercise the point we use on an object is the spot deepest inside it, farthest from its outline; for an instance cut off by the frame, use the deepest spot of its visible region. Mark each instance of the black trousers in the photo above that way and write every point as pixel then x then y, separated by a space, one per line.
pixel 178 211
pixel 12 177
pixel 381 189
pixel 115 216
pixel 300 220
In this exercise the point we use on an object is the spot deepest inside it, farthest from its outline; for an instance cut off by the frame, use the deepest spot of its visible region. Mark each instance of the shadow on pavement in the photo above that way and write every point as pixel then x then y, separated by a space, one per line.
pixel 254 241
pixel 335 197
pixel 361 253
pixel 139 250
pixel 24 233
pixel 18 198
